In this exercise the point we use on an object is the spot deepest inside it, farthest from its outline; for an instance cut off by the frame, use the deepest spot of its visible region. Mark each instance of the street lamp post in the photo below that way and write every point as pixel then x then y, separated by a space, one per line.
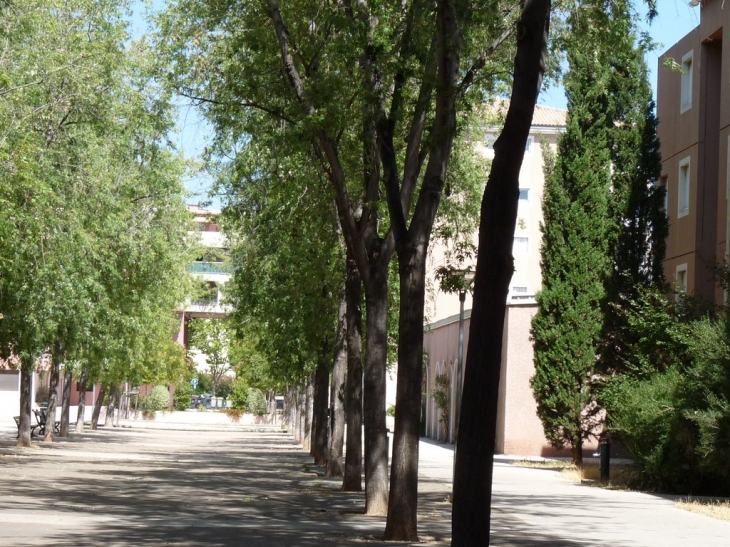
pixel 462 280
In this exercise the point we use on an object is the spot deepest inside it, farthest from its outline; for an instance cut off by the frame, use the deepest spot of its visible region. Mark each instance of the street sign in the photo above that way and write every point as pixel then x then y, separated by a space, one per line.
pixel 194 383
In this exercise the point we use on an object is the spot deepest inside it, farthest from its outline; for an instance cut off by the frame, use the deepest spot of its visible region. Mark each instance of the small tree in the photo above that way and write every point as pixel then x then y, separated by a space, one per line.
pixel 158 399
pixel 209 337
pixel 442 399
pixel 256 402
pixel 183 395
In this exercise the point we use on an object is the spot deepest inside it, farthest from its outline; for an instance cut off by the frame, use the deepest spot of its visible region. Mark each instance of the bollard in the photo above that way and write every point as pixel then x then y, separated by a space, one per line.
pixel 605 448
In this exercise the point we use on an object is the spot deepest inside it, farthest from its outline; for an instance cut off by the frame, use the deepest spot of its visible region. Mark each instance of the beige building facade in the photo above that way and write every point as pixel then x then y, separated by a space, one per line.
pixel 693 107
pixel 519 430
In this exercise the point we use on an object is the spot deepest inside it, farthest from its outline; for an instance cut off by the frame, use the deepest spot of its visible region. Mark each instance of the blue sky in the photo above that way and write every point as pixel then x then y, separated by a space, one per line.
pixel 675 19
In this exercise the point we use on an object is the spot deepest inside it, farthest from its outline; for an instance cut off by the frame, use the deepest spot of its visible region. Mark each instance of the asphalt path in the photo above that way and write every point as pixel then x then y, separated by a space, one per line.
pixel 149 485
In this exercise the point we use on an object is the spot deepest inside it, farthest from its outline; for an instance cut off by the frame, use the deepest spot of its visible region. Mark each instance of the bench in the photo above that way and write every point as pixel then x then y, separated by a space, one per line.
pixel 41 417
pixel 32 427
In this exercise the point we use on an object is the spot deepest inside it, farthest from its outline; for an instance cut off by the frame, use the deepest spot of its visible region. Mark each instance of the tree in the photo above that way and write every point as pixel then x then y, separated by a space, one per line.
pixel 575 253
pixel 395 69
pixel 477 429
pixel 96 241
pixel 209 338
pixel 637 202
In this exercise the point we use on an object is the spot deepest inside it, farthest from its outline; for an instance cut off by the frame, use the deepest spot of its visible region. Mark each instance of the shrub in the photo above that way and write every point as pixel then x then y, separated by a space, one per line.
pixel 183 396
pixel 239 393
pixel 158 399
pixel 256 402
pixel 390 411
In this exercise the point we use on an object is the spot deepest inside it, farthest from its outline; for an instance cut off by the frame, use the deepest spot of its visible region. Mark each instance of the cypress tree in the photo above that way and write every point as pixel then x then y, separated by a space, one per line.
pixel 604 225
pixel 641 226
pixel 575 251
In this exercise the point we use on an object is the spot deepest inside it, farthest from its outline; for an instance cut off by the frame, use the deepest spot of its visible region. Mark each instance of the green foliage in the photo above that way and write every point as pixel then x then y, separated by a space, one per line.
pixel 390 411
pixel 239 393
pixel 442 397
pixel 671 404
pixel 93 236
pixel 183 396
pixel 211 338
pixel 256 402
pixel 158 399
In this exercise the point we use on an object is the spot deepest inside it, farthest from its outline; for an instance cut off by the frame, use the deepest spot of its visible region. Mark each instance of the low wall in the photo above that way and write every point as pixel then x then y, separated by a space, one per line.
pixel 207 417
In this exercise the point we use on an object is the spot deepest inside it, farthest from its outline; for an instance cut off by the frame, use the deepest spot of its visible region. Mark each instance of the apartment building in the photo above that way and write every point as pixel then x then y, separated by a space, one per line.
pixel 694 128
pixel 210 268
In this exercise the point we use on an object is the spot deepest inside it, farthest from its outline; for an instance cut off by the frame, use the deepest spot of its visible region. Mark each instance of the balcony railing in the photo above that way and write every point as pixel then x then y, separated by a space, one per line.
pixel 210 268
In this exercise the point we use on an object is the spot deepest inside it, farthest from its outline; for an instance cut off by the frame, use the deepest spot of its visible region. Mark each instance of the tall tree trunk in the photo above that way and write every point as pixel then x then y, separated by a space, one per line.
pixel 26 379
pixel 301 414
pixel 402 523
pixel 337 396
pixel 97 407
pixel 53 391
pixel 66 401
pixel 82 402
pixel 309 413
pixel 577 450
pixel 321 388
pixel 112 404
pixel 376 439
pixel 352 481
pixel 477 431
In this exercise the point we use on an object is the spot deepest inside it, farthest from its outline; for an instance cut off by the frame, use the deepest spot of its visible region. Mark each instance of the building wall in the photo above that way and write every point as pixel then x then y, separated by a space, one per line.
pixel 697 132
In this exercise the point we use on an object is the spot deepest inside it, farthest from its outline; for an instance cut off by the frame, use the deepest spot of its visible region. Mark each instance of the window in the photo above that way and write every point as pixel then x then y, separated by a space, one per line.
pixel 684 187
pixel 686 92
pixel 680 279
pixel 524 194
pixel 528 144
pixel 520 245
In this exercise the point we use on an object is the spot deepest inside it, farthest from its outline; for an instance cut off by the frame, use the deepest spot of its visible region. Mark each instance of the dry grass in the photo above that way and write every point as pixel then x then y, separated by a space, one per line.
pixel 543 464
pixel 710 508
pixel 621 476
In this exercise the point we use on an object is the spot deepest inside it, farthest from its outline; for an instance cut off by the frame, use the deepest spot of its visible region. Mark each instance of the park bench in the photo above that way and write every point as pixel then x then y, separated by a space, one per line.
pixel 40 425
pixel 41 417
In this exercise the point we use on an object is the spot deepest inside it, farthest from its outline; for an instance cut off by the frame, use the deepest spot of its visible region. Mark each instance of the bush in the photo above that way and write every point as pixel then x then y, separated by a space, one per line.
pixel 158 399
pixel 256 402
pixel 183 396
pixel 239 394
pixel 676 422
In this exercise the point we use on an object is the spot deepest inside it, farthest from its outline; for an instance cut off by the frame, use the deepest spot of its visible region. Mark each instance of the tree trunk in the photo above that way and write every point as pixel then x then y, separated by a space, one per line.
pixel 337 397
pixel 26 377
pixel 53 391
pixel 82 402
pixel 352 481
pixel 97 407
pixel 376 439
pixel 577 450
pixel 66 401
pixel 402 523
pixel 321 388
pixel 301 414
pixel 112 404
pixel 477 430
pixel 309 414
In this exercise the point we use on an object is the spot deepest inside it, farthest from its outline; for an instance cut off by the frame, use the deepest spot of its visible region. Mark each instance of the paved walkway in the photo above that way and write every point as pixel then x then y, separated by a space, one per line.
pixel 254 487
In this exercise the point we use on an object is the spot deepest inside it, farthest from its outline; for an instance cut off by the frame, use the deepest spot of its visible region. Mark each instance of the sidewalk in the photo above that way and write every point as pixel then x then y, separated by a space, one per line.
pixel 146 486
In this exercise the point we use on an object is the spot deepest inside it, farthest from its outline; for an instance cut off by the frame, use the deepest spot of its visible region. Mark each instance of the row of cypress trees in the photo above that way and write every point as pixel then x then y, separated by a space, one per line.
pixel 604 225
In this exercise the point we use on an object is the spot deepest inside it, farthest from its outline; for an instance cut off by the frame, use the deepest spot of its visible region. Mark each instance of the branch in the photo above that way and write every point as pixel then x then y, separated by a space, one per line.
pixel 481 61
pixel 287 60
pixel 243 104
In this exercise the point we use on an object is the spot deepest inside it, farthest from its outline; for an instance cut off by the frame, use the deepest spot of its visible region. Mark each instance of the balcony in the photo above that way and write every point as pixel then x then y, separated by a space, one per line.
pixel 218 268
